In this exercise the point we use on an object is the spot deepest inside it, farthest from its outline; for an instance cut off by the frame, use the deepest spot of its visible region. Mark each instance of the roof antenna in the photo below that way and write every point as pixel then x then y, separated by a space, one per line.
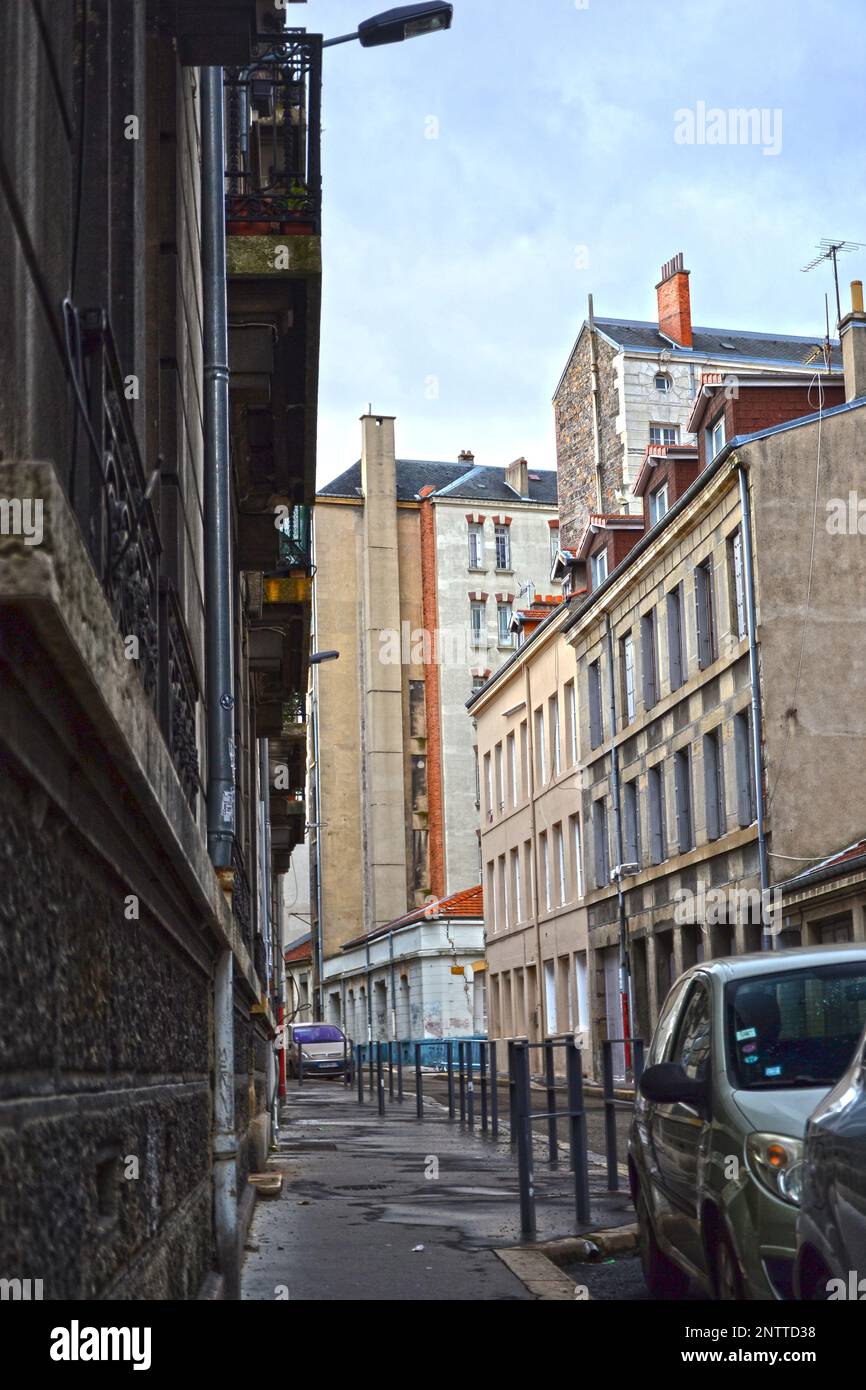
pixel 828 250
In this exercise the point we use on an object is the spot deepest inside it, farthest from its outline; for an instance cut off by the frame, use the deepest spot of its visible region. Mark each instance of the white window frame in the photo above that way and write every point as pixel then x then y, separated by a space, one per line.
pixel 504 614
pixel 658 503
pixel 659 434
pixel 476 546
pixel 715 438
pixel 598 565
pixel 478 623
pixel 502 538
pixel 629 674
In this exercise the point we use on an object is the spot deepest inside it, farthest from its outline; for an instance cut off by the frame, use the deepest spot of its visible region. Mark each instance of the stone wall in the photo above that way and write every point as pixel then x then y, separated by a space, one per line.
pixel 575 457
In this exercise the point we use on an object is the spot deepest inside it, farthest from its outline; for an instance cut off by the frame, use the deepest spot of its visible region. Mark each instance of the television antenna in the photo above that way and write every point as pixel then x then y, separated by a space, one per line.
pixel 829 248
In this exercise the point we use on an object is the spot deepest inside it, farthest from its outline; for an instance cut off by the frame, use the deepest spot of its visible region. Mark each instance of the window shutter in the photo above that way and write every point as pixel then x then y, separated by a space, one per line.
pixel 711 785
pixel 675 640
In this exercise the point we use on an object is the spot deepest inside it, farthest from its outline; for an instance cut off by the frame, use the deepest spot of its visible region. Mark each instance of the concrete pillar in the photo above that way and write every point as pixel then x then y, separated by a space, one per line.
pixel 383 787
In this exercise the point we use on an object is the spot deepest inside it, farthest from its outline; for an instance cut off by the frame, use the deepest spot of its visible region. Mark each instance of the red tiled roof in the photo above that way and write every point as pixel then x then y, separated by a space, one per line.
pixel 467 904
pixel 303 951
pixel 855 851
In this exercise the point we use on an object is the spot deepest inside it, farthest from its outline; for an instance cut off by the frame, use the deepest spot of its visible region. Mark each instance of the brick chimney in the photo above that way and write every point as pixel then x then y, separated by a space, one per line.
pixel 852 333
pixel 675 306
pixel 466 456
pixel 517 477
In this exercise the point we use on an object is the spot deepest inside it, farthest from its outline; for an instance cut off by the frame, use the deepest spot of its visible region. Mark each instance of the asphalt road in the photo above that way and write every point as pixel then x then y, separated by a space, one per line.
pixel 618 1279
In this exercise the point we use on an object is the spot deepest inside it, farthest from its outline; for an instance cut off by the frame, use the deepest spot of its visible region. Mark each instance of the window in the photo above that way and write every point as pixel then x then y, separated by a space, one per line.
pixel 677 658
pixel 477 779
pixel 600 845
pixel 545 870
pixel 664 434
pixel 631 828
pixel 656 795
pixel 554 544
pixel 598 564
pixel 516 886
pixel 528 873
pixel 511 743
pixel 503 547
pixel 576 856
pixel 683 789
pixel 540 750
pixel 658 503
pixel 477 682
pixel 626 651
pixel 662 382
pixel 500 786
pixel 692 1047
pixel 571 722
pixel 744 750
pixel 737 584
pixel 524 758
pixel 596 721
pixel 715 438
pixel 714 786
pixel 476 546
pixel 490 905
pixel 555 742
pixel 705 614
pixel 488 786
pixel 503 893
pixel 478 624
pixel 649 659
pixel 506 636
pixel 559 851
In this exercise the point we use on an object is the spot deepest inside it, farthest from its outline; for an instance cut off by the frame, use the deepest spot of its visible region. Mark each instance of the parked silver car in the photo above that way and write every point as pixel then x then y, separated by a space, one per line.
pixel 744 1050
pixel 831 1230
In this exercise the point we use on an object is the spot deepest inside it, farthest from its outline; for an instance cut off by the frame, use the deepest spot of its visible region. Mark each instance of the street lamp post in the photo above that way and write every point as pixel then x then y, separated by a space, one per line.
pixel 404 22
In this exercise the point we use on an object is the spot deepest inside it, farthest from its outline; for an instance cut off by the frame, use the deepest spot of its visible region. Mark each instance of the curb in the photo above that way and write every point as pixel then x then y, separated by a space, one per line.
pixel 538 1266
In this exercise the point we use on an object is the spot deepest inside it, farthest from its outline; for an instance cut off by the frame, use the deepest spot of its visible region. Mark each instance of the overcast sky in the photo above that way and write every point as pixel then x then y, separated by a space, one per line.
pixel 456 268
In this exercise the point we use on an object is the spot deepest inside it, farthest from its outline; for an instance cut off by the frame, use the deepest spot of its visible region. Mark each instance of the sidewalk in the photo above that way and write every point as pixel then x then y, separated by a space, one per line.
pixel 360 1194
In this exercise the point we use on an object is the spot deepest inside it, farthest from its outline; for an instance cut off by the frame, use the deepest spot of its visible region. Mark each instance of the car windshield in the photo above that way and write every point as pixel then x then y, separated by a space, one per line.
pixel 318 1033
pixel 795 1029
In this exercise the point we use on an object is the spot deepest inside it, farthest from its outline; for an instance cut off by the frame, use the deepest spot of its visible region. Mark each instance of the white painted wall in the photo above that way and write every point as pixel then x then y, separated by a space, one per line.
pixel 530 552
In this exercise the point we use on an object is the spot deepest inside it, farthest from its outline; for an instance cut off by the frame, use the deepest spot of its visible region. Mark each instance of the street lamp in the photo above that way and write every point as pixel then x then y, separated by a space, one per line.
pixel 404 22
pixel 317 658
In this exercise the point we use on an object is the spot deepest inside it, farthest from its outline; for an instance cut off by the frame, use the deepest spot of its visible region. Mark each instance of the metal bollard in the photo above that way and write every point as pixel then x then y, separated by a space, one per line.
pixel 450 1050
pixel 470 1087
pixel 380 1078
pixel 419 1093
pixel 359 1073
pixel 494 1093
pixel 370 1051
pixel 483 1059
pixel 523 1125
pixel 390 1069
pixel 577 1132
pixel 550 1081
pixel 399 1071
pixel 610 1143
pixel 461 1064
pixel 512 1125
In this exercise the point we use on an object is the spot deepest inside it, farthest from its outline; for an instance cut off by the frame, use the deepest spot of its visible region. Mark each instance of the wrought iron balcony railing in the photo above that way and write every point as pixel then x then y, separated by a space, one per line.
pixel 112 498
pixel 273 139
pixel 294 540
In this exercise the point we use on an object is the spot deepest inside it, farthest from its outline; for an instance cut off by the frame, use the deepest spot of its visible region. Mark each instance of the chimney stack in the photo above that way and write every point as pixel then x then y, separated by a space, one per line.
pixel 674 301
pixel 852 334
pixel 517 477
pixel 466 456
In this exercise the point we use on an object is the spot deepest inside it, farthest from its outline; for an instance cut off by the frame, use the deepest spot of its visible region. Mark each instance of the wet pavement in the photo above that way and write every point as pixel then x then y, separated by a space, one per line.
pixel 399 1209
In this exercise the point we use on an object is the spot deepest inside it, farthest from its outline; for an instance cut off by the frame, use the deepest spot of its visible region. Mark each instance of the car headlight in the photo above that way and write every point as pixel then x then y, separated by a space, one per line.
pixel 776 1160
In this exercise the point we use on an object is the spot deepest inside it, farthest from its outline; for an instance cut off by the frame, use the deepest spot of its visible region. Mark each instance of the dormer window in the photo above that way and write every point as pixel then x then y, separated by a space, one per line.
pixel 664 434
pixel 715 438
pixel 599 568
pixel 663 382
pixel 658 503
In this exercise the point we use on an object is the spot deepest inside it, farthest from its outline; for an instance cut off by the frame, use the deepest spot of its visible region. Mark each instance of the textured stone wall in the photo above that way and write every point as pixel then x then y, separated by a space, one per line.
pixel 575 457
pixel 105 1044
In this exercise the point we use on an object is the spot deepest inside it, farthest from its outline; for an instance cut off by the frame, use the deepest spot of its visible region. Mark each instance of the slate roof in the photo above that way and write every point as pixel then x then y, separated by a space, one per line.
pixel 731 344
pixel 472 481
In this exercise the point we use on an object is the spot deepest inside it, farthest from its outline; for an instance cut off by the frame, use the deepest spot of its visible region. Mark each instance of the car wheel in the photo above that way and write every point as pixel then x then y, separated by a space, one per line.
pixel 663 1278
pixel 729 1285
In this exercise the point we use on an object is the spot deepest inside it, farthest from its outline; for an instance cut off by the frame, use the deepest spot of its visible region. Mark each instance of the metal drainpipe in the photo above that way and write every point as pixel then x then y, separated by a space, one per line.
pixel 769 941
pixel 225 1181
pixel 624 967
pixel 217 480
pixel 218 635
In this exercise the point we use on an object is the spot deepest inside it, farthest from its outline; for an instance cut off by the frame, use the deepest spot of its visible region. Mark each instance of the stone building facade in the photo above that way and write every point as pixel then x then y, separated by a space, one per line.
pixel 139 978
pixel 629 383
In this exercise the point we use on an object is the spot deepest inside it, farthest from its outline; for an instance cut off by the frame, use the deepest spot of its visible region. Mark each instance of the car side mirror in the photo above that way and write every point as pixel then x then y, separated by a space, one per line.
pixel 666 1084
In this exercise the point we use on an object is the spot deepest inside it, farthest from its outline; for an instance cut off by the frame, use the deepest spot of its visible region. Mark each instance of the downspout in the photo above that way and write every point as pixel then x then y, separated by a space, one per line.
pixel 319 943
pixel 769 940
pixel 624 966
pixel 596 411
pixel 530 747
pixel 218 634
pixel 217 481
